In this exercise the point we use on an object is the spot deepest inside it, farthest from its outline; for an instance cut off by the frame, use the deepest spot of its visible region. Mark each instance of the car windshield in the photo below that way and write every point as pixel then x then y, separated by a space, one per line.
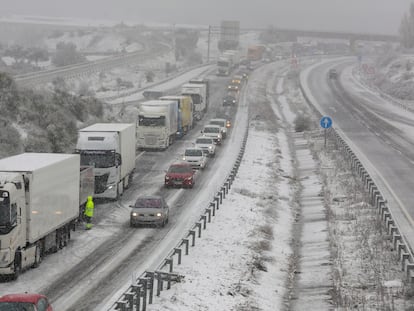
pixel 204 141
pixel 148 203
pixel 193 152
pixel 211 130
pixel 180 169
pixel 17 306
pixel 219 123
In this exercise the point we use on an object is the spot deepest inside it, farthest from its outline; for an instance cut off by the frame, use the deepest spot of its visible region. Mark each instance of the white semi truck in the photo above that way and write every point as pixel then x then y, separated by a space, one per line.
pixel 41 197
pixel 227 61
pixel 157 124
pixel 199 95
pixel 111 149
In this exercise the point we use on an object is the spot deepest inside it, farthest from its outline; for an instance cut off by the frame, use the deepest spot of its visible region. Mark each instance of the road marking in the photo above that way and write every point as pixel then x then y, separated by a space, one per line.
pixel 139 155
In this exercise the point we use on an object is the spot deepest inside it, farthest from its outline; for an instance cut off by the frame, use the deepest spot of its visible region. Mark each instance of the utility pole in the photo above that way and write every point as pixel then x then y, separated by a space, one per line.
pixel 208 44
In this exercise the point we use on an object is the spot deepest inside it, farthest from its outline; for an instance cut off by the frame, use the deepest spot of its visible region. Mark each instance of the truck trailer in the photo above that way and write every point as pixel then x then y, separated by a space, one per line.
pixel 199 95
pixel 40 203
pixel 157 124
pixel 111 149
pixel 185 113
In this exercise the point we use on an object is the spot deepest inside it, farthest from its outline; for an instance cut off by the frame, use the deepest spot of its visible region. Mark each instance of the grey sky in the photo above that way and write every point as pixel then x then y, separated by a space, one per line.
pixel 373 16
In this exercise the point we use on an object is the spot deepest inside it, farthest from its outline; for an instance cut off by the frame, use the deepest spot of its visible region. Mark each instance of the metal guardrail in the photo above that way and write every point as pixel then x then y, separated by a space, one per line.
pixel 376 199
pixel 141 292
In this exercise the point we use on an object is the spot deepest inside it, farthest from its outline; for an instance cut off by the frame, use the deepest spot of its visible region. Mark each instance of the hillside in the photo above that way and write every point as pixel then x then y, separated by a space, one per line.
pixel 43 122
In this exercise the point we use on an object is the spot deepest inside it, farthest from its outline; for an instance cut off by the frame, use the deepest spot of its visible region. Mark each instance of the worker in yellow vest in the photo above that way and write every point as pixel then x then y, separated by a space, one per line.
pixel 89 208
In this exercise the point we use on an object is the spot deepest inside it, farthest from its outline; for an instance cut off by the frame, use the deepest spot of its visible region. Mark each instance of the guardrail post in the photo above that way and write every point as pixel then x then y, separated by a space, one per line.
pixel 178 252
pixel 120 306
pixel 137 290
pixel 204 219
pixel 213 208
pixel 159 283
pixel 223 190
pixel 221 197
pixel 217 199
pixel 169 261
pixel 404 256
pixel 193 234
pixel 198 225
pixel 150 280
pixel 143 281
pixel 186 242
pixel 130 299
pixel 208 210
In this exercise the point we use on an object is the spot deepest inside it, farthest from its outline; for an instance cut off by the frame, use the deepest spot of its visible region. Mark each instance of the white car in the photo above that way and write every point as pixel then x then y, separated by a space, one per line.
pixel 207 144
pixel 195 157
pixel 213 131
pixel 222 123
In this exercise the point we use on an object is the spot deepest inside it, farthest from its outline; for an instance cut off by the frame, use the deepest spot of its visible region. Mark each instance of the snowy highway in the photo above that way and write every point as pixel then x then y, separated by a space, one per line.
pixel 97 263
pixel 379 131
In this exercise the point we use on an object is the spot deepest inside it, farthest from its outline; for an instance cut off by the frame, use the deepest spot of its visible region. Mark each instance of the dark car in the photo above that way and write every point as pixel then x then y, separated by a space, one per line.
pixel 27 302
pixel 179 175
pixel 229 100
pixel 147 210
pixel 333 73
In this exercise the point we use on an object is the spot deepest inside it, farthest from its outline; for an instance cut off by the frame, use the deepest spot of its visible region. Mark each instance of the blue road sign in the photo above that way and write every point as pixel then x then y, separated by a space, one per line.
pixel 326 122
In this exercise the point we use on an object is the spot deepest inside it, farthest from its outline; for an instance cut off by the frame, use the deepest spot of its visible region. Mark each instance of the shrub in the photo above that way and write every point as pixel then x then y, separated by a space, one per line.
pixel 302 123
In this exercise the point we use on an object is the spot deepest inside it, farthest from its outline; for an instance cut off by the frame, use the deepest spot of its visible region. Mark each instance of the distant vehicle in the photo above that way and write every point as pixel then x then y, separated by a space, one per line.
pixel 157 124
pixel 152 94
pixel 24 302
pixel 149 210
pixel 233 87
pixel 179 175
pixel 207 145
pixel 213 131
pixel 333 73
pixel 111 149
pixel 237 79
pixel 41 198
pixel 199 92
pixel 195 157
pixel 185 113
pixel 222 124
pixel 229 100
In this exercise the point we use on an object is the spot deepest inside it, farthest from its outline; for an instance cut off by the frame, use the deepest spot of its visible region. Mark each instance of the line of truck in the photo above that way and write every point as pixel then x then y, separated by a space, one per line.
pixel 43 195
pixel 160 122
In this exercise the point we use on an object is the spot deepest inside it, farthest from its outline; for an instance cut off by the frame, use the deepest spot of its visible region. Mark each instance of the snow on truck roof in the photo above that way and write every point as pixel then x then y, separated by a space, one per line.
pixel 107 127
pixel 26 162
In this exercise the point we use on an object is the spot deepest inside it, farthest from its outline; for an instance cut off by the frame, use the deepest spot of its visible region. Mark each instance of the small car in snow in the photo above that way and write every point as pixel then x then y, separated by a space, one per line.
pixel 179 175
pixel 27 302
pixel 229 100
pixel 222 123
pixel 213 131
pixel 207 145
pixel 333 73
pixel 195 157
pixel 149 210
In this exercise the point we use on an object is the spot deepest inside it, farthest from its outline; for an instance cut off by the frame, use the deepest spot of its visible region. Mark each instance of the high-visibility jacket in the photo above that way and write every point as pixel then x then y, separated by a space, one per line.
pixel 89 207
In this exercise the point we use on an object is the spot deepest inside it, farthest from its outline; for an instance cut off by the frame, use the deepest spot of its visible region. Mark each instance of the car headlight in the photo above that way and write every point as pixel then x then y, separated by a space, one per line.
pixel 134 214
pixel 183 158
pixel 210 147
pixel 159 214
pixel 167 177
pixel 189 178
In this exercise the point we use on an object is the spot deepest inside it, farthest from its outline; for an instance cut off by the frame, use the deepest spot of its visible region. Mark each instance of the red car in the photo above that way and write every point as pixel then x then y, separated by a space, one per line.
pixel 179 175
pixel 27 302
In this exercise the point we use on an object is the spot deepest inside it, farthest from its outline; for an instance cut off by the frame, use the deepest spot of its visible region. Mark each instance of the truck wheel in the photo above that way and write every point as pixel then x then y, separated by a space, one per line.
pixel 17 266
pixel 38 256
